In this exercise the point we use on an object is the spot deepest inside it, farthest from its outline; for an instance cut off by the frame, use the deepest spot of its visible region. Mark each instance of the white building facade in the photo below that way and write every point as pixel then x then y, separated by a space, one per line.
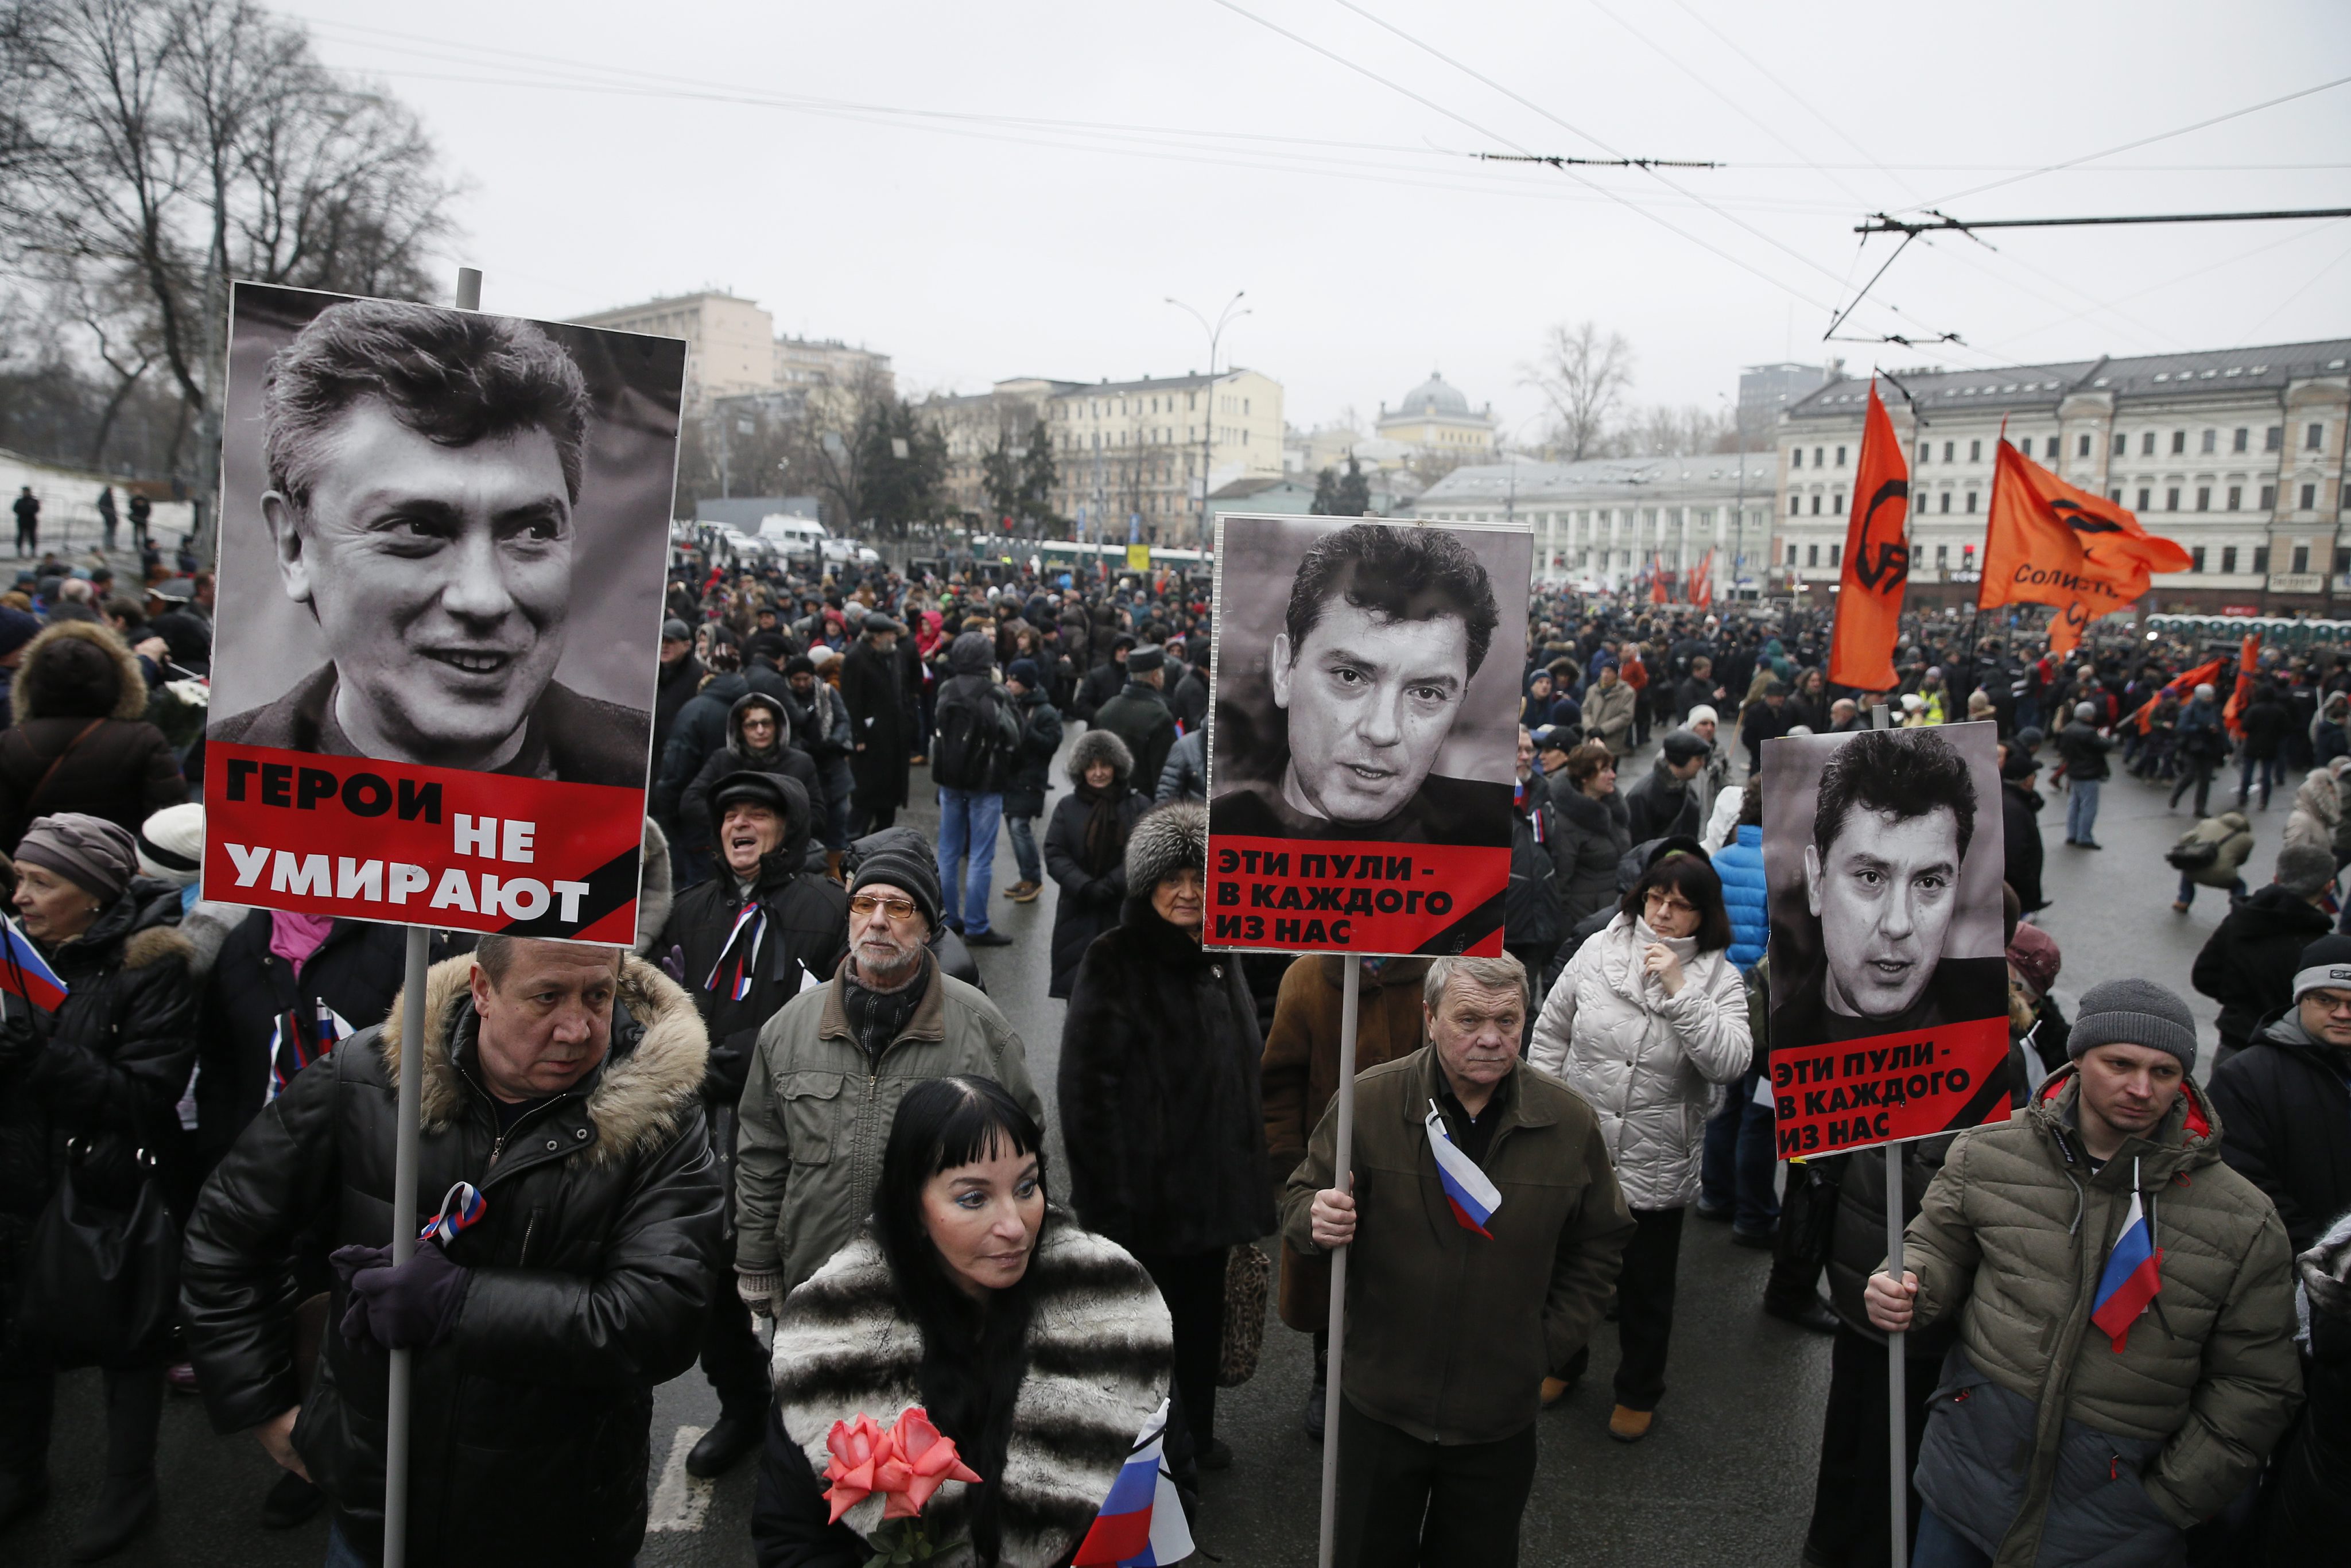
pixel 2237 454
pixel 1603 522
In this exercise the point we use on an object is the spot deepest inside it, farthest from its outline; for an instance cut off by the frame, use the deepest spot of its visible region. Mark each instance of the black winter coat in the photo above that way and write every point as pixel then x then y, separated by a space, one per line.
pixel 2249 962
pixel 1088 905
pixel 2285 1125
pixel 592 1266
pixel 1032 774
pixel 694 828
pixel 2264 721
pixel 2083 751
pixel 879 723
pixel 1594 836
pixel 1159 1099
pixel 112 1063
pixel 356 971
pixel 1139 717
pixel 807 934
pixel 700 728
pixel 1103 682
pixel 2020 838
pixel 679 683
pixel 1533 910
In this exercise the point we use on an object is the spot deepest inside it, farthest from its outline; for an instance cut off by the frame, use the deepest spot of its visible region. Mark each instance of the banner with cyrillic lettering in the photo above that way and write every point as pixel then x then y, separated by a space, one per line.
pixel 370 840
pixel 1850 1093
pixel 1362 735
pixel 1354 898
pixel 1883 860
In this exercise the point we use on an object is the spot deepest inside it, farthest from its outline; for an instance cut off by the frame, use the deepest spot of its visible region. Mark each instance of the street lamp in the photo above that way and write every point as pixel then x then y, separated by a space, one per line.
pixel 1225 318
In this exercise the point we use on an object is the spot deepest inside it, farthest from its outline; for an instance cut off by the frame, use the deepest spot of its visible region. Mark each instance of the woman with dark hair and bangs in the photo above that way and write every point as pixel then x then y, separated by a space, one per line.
pixel 1649 1015
pixel 1041 1349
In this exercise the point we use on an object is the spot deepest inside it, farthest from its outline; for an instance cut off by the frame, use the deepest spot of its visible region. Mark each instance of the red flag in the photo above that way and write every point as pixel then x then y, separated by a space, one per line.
pixel 2178 685
pixel 2248 653
pixel 1876 560
pixel 1658 592
pixel 2047 542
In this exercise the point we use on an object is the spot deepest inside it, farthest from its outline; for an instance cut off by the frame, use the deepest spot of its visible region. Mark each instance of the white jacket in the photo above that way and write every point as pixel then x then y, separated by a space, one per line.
pixel 1644 1060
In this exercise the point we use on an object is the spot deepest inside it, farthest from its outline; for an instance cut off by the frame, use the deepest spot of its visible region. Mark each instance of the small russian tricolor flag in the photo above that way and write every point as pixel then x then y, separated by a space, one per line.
pixel 1473 1197
pixel 2133 1273
pixel 1141 1523
pixel 24 973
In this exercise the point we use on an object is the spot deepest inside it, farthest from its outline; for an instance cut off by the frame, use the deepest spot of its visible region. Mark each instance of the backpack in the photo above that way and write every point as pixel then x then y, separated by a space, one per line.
pixel 976 741
pixel 2192 853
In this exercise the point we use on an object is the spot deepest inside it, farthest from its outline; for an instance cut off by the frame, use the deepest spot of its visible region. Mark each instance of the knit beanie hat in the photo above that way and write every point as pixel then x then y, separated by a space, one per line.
pixel 914 872
pixel 2134 1012
pixel 91 853
pixel 1025 672
pixel 2325 965
pixel 170 844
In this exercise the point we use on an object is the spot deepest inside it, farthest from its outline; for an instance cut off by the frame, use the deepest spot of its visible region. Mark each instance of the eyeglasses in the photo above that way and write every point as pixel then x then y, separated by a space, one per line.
pixel 1659 899
pixel 2337 1003
pixel 865 903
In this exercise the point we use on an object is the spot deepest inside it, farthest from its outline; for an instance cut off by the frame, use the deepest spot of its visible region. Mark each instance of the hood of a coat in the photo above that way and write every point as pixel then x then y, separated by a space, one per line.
pixel 2282 1031
pixel 2188 1137
pixel 77 669
pixel 1099 746
pixel 644 1091
pixel 744 704
pixel 971 653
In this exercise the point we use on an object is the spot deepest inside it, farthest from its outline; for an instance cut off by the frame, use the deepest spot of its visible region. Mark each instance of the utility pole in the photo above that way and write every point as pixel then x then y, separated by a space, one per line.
pixel 1224 319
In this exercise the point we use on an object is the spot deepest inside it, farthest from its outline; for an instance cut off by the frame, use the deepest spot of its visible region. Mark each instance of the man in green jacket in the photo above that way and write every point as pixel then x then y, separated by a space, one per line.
pixel 1436 1427
pixel 2059 1436
pixel 831 1068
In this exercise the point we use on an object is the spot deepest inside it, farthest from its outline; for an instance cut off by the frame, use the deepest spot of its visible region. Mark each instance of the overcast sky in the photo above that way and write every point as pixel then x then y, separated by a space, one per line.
pixel 1015 188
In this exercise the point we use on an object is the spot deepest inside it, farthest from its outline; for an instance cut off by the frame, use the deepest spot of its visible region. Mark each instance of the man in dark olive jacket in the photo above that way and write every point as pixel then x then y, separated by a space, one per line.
pixel 743 944
pixel 1437 1425
pixel 564 1083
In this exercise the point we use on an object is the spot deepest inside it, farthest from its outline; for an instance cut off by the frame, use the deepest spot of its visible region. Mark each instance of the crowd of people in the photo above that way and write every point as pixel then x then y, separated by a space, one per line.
pixel 795 1103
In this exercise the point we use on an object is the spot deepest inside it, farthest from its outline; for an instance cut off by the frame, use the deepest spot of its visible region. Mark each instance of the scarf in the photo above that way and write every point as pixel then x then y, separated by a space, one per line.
pixel 1105 842
pixel 295 937
pixel 877 1018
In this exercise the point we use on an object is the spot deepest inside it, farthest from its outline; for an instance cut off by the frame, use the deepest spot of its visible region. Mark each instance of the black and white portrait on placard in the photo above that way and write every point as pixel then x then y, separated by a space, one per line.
pixel 443 536
pixel 1883 852
pixel 1367 679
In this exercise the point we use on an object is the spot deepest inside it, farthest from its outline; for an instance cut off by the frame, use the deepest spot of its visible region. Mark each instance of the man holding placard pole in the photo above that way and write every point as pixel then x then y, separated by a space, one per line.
pixel 485 1390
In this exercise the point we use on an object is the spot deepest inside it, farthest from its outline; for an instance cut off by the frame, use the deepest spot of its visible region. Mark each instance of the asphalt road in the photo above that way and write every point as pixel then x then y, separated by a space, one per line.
pixel 1726 1477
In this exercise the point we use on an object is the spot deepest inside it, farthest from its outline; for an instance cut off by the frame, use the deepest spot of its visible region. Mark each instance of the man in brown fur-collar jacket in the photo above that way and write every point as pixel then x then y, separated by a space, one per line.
pixel 564 1083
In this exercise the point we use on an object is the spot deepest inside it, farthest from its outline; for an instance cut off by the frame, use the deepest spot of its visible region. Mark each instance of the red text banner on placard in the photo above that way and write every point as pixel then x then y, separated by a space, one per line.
pixel 368 839
pixel 1850 1093
pixel 1310 895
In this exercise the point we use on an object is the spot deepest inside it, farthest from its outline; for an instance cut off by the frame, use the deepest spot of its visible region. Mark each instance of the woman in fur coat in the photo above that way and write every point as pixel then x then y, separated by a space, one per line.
pixel 1042 1351
pixel 1085 848
pixel 1161 1105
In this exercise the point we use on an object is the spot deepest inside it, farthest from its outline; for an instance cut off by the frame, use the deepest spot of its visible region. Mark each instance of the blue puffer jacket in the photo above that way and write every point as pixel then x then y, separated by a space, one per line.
pixel 1744 895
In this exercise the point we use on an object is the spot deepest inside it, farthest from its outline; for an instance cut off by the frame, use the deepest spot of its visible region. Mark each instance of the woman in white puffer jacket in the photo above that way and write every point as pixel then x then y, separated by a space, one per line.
pixel 1649 1015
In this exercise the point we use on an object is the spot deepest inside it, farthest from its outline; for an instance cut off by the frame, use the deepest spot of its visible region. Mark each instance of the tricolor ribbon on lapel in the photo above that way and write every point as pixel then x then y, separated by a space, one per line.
pixel 1473 1198
pixel 746 962
pixel 461 1207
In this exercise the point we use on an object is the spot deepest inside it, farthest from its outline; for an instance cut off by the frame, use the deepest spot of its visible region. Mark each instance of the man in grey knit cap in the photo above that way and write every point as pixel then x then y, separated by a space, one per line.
pixel 2125 1357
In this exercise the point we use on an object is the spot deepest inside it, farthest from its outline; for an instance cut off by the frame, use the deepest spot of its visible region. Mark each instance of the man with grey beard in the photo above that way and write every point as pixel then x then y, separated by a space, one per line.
pixel 831 1068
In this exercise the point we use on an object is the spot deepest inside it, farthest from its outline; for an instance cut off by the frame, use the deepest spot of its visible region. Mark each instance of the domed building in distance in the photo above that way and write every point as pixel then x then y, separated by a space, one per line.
pixel 1435 417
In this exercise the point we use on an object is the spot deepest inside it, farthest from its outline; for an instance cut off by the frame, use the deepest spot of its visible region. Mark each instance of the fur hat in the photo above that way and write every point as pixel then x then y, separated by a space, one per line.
pixel 1099 746
pixel 2304 869
pixel 77 669
pixel 1166 841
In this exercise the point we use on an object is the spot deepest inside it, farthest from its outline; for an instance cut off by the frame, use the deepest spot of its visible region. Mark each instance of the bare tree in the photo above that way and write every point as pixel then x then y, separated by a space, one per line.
pixel 183 142
pixel 1662 430
pixel 1583 376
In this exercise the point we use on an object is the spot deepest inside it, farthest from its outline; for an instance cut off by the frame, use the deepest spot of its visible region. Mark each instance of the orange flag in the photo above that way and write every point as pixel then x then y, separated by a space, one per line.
pixel 2047 542
pixel 1876 560
pixel 2183 684
pixel 2249 655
